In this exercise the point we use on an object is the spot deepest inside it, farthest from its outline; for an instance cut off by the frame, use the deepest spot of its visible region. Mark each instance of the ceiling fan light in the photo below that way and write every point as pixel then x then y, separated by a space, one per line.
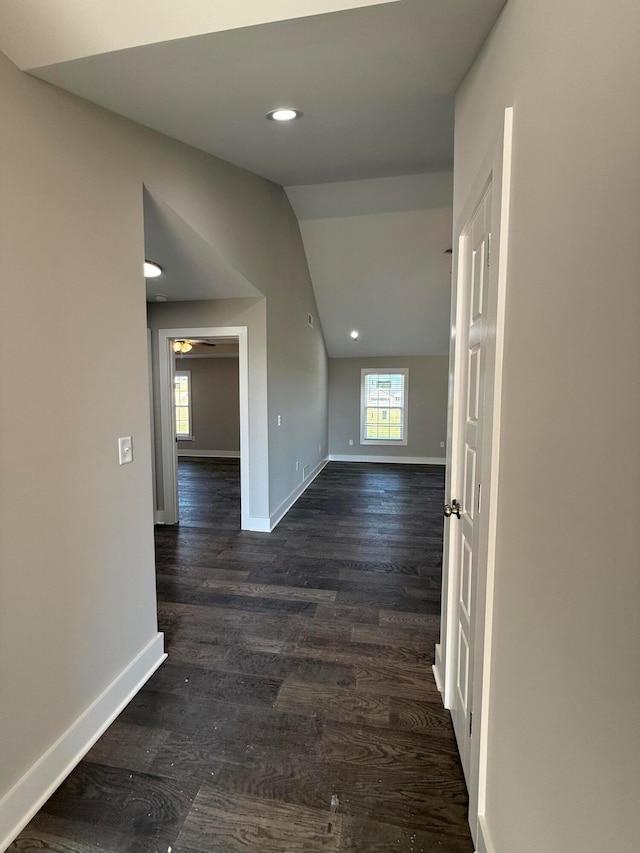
pixel 187 347
pixel 177 346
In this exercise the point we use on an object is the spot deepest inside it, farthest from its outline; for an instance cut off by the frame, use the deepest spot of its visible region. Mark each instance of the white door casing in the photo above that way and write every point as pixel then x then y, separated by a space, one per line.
pixel 463 657
pixel 151 419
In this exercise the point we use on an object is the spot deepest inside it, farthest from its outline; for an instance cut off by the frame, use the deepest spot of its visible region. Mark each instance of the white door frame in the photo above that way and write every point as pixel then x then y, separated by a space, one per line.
pixel 152 420
pixel 166 363
pixel 497 171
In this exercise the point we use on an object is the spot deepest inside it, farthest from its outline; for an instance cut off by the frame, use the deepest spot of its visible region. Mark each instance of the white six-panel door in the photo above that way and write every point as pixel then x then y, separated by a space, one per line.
pixel 474 261
pixel 463 656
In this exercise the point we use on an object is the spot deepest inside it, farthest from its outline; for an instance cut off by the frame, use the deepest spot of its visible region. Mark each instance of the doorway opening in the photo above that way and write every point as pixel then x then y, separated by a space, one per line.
pixel 207 420
pixel 203 400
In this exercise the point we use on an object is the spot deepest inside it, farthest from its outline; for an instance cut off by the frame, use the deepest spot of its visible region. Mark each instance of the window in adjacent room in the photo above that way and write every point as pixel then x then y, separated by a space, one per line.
pixel 383 407
pixel 182 402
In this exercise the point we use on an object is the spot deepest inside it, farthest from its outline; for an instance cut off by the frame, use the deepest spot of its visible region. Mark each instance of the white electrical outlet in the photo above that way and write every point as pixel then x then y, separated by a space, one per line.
pixel 279 420
pixel 350 441
pixel 442 444
pixel 125 450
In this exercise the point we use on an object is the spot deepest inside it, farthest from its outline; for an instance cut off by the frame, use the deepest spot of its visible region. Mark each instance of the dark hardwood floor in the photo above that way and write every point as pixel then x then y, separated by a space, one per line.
pixel 297 711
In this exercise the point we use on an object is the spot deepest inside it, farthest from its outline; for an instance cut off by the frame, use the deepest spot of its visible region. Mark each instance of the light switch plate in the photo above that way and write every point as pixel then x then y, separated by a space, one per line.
pixel 125 450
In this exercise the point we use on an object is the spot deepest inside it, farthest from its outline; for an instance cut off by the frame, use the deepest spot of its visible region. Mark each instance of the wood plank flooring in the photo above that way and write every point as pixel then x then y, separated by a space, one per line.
pixel 297 710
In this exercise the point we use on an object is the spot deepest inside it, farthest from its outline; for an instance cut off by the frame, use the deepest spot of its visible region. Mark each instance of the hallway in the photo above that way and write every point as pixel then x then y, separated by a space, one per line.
pixel 297 710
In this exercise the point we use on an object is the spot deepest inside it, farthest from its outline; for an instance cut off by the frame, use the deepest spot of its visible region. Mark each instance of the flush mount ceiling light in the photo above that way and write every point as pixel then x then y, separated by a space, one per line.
pixel 354 335
pixel 182 347
pixel 284 114
pixel 160 297
pixel 152 270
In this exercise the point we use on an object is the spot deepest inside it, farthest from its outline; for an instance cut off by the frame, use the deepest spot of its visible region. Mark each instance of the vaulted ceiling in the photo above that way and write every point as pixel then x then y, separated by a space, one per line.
pixel 375 80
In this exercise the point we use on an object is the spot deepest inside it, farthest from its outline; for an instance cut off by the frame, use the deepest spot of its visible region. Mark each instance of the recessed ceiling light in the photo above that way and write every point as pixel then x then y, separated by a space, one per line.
pixel 284 114
pixel 160 297
pixel 152 270
pixel 354 335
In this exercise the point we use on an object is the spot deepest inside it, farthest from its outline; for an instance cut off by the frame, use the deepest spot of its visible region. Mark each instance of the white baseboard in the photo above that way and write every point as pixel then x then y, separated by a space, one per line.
pixel 160 516
pixel 484 843
pixel 397 460
pixel 258 524
pixel 285 506
pixel 211 454
pixel 30 792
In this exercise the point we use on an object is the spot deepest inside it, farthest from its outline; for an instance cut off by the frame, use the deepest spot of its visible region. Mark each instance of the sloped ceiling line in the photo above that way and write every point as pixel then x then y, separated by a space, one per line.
pixel 192 267
pixel 39 34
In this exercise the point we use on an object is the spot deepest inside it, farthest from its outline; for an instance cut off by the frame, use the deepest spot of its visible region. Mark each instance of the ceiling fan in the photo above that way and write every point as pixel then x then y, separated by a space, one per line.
pixel 183 347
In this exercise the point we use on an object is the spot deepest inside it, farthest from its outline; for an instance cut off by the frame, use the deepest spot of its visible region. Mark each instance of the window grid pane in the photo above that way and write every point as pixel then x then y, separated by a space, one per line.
pixel 182 404
pixel 384 406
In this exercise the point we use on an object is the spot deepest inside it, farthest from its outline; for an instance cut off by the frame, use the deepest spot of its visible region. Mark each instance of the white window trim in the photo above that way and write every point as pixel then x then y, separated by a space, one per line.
pixel 179 436
pixel 384 441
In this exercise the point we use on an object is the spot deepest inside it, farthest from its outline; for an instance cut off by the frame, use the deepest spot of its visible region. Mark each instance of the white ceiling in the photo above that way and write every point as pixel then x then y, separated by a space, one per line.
pixel 377 256
pixel 365 168
pixel 376 85
pixel 385 275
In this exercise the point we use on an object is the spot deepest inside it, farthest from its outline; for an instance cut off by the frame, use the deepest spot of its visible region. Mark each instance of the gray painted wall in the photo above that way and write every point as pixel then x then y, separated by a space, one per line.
pixel 76 529
pixel 76 546
pixel 298 377
pixel 563 760
pixel 215 407
pixel 427 401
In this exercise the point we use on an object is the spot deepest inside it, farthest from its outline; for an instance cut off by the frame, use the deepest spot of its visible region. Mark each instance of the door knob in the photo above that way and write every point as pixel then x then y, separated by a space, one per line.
pixel 452 509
